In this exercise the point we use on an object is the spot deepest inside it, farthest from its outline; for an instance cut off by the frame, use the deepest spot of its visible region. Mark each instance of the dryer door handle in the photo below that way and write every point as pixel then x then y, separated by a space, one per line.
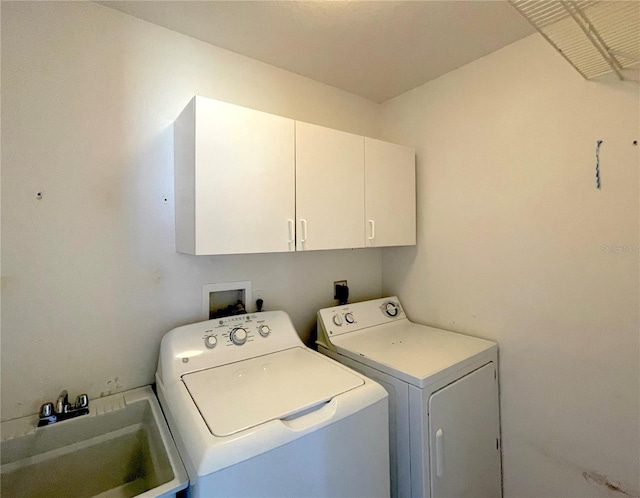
pixel 439 453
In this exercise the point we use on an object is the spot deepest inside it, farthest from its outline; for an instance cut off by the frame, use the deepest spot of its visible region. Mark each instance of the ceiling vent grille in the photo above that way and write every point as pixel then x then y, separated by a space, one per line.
pixel 596 37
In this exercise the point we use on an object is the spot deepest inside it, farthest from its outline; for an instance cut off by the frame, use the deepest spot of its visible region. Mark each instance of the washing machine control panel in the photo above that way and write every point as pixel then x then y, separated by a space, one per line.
pixel 351 317
pixel 236 330
pixel 226 340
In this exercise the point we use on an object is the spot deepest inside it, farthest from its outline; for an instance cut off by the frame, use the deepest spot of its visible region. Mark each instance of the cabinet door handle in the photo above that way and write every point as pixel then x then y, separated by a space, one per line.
pixel 439 453
pixel 372 225
pixel 291 232
pixel 303 226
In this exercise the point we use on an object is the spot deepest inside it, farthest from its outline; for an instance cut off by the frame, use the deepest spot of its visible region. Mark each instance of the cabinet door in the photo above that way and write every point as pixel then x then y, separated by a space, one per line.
pixel 464 434
pixel 390 194
pixel 244 180
pixel 329 188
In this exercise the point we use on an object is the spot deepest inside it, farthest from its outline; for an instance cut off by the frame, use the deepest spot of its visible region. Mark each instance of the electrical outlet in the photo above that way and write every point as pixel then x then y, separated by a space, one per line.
pixel 335 284
pixel 258 299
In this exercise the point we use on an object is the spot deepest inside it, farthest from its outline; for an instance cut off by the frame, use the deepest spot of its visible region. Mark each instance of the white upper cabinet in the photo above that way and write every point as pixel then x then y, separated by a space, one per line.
pixel 234 180
pixel 251 182
pixel 329 188
pixel 390 194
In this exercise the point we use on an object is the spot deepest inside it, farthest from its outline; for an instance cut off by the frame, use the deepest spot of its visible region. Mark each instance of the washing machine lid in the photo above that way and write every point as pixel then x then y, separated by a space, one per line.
pixel 241 395
pixel 415 353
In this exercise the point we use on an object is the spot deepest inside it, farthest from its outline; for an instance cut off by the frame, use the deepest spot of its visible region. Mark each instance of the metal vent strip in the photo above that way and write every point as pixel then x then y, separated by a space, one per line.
pixel 596 37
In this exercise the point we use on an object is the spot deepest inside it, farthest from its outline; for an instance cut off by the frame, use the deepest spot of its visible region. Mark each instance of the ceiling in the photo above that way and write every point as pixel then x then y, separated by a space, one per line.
pixel 375 49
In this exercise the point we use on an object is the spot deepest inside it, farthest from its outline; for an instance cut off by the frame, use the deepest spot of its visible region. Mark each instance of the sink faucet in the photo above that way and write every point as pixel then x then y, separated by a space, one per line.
pixel 63 410
pixel 62 405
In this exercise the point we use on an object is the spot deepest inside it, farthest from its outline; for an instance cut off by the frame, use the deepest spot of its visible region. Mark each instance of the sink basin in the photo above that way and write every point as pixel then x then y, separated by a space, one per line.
pixel 122 448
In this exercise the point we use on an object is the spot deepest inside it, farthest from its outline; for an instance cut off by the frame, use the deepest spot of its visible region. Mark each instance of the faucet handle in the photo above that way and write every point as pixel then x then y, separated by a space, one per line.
pixel 82 401
pixel 47 416
pixel 46 410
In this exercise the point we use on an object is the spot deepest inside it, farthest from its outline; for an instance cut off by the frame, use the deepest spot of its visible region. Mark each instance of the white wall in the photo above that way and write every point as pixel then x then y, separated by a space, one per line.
pixel 511 227
pixel 90 277
pixel 514 244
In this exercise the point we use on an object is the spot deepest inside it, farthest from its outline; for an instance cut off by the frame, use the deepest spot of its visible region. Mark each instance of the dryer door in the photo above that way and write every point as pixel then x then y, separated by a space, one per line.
pixel 464 437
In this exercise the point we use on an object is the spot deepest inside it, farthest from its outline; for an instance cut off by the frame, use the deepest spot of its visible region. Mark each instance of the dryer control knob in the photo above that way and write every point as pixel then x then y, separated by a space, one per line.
pixel 264 330
pixel 337 319
pixel 238 336
pixel 349 318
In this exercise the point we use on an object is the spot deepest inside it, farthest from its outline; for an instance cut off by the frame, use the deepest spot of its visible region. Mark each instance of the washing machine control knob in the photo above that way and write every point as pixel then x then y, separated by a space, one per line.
pixel 337 319
pixel 349 318
pixel 264 330
pixel 211 341
pixel 238 336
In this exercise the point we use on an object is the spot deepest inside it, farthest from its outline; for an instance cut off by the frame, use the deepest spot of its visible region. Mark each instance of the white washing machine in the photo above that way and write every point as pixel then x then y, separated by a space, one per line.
pixel 444 420
pixel 255 413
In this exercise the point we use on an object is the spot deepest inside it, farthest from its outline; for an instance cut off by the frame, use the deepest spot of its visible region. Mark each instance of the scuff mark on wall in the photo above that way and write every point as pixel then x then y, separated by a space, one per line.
pixel 158 275
pixel 6 282
pixel 589 476
pixel 604 481
pixel 113 386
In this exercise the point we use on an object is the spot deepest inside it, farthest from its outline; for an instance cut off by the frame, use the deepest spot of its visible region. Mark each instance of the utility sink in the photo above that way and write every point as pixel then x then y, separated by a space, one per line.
pixel 121 448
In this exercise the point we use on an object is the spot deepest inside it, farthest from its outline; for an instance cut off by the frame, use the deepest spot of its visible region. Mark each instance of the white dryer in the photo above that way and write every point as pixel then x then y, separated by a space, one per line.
pixel 257 414
pixel 443 397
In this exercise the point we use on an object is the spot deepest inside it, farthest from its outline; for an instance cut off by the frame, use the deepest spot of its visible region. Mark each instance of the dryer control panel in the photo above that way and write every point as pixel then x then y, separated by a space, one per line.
pixel 351 317
pixel 220 341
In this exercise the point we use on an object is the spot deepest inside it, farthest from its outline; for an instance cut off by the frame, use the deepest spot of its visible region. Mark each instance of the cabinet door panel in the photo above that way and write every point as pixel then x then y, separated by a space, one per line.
pixel 329 188
pixel 390 194
pixel 244 181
